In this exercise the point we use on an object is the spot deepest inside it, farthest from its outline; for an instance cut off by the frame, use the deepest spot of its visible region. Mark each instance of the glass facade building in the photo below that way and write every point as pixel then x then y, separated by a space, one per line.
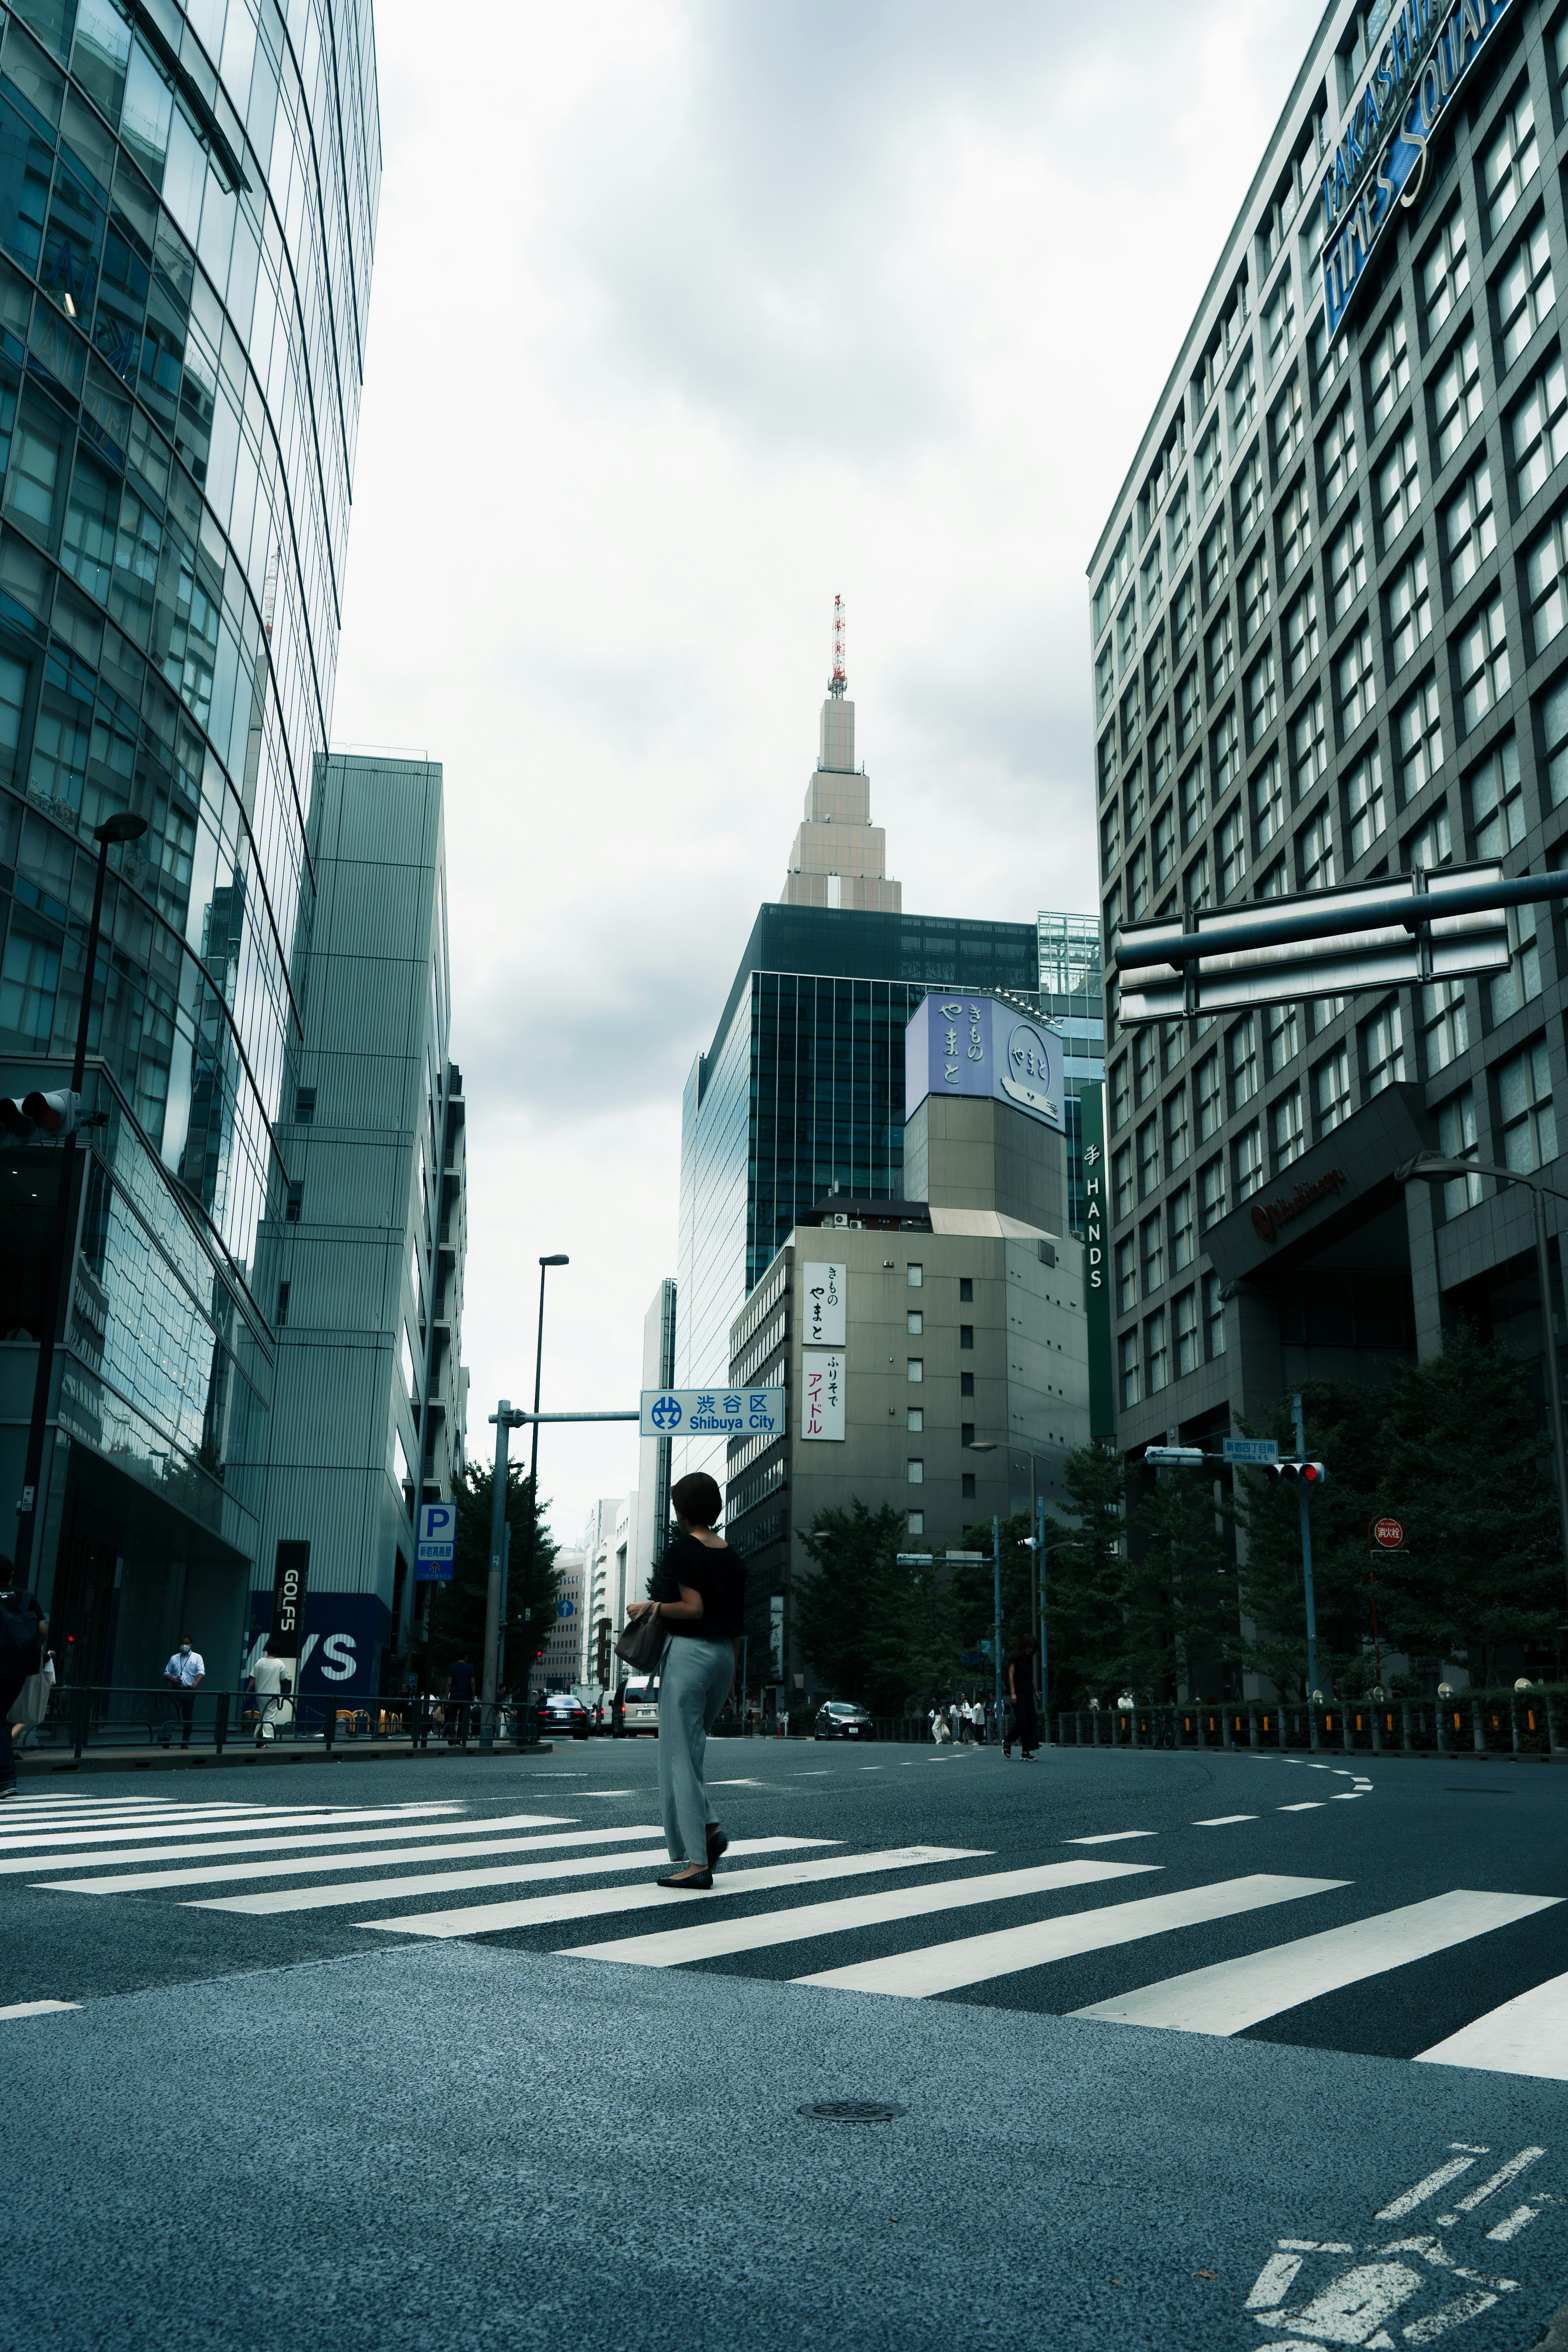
pixel 1072 992
pixel 187 202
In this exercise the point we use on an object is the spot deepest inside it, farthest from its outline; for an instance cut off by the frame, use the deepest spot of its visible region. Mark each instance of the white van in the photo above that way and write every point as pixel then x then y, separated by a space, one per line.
pixel 642 1704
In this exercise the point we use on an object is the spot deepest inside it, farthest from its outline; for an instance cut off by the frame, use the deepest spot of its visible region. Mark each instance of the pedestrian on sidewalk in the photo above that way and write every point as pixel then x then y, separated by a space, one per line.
pixel 22 1629
pixel 273 1685
pixel 695 1673
pixel 460 1691
pixel 184 1674
pixel 1021 1691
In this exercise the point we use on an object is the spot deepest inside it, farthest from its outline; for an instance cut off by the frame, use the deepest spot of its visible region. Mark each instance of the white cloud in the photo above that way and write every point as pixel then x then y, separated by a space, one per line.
pixel 684 319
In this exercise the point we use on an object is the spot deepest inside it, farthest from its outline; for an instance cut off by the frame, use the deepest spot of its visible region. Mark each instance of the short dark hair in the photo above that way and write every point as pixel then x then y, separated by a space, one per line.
pixel 697 1499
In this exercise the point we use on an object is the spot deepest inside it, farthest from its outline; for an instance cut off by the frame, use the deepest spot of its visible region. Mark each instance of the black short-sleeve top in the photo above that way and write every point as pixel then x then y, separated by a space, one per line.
pixel 719 1576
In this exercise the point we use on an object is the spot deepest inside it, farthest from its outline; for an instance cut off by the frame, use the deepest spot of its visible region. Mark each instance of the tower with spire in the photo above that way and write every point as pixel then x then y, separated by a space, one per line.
pixel 840 857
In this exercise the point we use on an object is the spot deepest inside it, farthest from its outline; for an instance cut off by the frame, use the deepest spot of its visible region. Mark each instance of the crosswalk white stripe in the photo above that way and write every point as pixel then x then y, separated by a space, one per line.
pixel 1110 1837
pixel 13 1865
pixel 670 1948
pixel 295 1817
pixel 36 2008
pixel 380 1890
pixel 551 1910
pixel 139 1882
pixel 1526 2036
pixel 1231 1995
pixel 976 1960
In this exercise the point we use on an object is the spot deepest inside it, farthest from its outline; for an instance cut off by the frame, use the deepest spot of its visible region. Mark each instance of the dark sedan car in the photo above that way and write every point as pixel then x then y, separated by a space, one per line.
pixel 841 1718
pixel 563 1711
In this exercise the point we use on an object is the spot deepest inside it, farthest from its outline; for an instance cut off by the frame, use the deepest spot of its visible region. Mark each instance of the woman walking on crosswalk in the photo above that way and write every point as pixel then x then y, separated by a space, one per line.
pixel 704 1627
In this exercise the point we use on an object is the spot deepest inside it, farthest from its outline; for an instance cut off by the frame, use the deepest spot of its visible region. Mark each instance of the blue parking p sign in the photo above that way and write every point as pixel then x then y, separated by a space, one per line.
pixel 435 1550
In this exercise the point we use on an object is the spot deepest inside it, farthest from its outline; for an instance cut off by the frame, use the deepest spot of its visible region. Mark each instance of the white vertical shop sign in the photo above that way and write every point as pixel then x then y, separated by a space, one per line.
pixel 827 1288
pixel 821 1393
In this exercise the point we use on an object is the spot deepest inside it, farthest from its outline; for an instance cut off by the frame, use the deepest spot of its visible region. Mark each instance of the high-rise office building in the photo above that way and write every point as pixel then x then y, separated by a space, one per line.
pixel 1326 646
pixel 187 207
pixel 1072 994
pixel 360 1265
pixel 840 857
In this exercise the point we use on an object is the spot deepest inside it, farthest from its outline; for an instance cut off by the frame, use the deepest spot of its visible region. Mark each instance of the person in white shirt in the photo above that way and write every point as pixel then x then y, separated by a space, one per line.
pixel 185 1673
pixel 273 1685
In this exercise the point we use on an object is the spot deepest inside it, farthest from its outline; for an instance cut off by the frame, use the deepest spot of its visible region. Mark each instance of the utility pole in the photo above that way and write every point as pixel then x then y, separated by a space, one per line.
pixel 1045 1653
pixel 997 1610
pixel 504 1421
pixel 1306 1554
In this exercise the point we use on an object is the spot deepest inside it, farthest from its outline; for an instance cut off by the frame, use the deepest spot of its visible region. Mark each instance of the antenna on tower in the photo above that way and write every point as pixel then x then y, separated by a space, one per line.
pixel 835 684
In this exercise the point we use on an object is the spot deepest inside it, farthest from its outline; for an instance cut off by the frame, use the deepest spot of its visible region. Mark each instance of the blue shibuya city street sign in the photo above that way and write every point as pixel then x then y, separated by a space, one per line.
pixel 435 1552
pixel 713 1413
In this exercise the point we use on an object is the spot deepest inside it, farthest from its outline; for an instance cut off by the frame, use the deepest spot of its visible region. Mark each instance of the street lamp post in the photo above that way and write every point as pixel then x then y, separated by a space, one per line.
pixel 1035 1544
pixel 1436 1169
pixel 122 828
pixel 532 1737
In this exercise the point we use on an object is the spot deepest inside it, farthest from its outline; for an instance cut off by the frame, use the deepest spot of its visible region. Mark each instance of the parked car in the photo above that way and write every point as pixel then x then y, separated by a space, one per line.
pixel 562 1712
pixel 841 1718
pixel 642 1704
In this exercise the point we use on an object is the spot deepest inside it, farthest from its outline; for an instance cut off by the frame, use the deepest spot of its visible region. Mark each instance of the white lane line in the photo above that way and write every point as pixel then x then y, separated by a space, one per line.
pixel 12 1865
pixel 37 2008
pixel 1312 1805
pixel 1222 1820
pixel 1230 1995
pixel 380 1890
pixel 139 1882
pixel 1526 2036
pixel 944 1968
pixel 551 1910
pixel 1344 1796
pixel 1110 1837
pixel 670 1948
pixel 311 1818
pixel 1406 2202
pixel 734 1784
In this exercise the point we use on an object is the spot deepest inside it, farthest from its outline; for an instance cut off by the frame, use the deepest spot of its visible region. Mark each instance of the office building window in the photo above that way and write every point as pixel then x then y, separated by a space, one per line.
pixel 1287 426
pixel 1326 357
pixel 1287 1129
pixel 1302 634
pixel 1206 1085
pixel 1483 664
pixel 965 1288
pixel 1232 851
pixel 915 1471
pixel 1104 679
pixel 281 1315
pixel 1545 564
pixel 1497 802
pixel 1445 271
pixel 1315 854
pixel 1337 455
pixel 1196 888
pixel 1186 1313
pixel 1126 1276
pixel 966 1335
pixel 1184 1242
pixel 1131 717
pixel 1214 560
pixel 914 1322
pixel 1295 530
pixel 1209 468
pixel 1194 800
pixel 1528 1123
pixel 1134 793
pixel 1419 732
pixel 1511 162
pixel 1246 1159
pixel 915 1276
pixel 1172 1044
pixel 1388 370
pixel 1383 1049
pixel 1249 498
pixel 1444 1025
pixel 1154 1252
pixel 1183 617
pixel 1156 669
pixel 1162 758
pixel 1142 1086
pixel 1456 1140
pixel 1211 1193
pixel 1225 753
pixel 1521 984
pixel 966 1480
pixel 1242 1050
pixel 917 1521
pixel 1108 760
pixel 305 1106
pixel 1126 635
pixel 1121 1180
pixel 1163 841
pixel 1408 612
pixel 1255 594
pixel 1110 839
pixel 1456 396
pixel 1157 1352
pixel 1214 1316
pixel 1470 527
pixel 1220 648
pixel 1331 1089
pixel 916 1369
pixel 1127 1352
pixel 1262 703
pixel 1268 800
pixel 1282 1046
pixel 1178 526
pixel 966 1384
pixel 1365 816
pixel 1525 291
pixel 1152 579
pixel 1176 1144
pixel 1538 429
pixel 1431 844
pixel 1347 567
pixel 1553 709
pixel 1148 1159
pixel 1189 709
pixel 1308 747
pixel 1279 323
pixel 915 1418
pixel 1138 882
pixel 294 1206
pixel 1398 487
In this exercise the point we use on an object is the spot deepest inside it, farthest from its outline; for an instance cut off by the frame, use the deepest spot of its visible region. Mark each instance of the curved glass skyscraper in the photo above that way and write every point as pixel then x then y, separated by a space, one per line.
pixel 187 206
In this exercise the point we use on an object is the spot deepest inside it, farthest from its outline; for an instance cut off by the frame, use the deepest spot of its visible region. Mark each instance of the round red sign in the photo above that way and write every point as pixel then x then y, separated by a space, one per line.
pixel 1389 1533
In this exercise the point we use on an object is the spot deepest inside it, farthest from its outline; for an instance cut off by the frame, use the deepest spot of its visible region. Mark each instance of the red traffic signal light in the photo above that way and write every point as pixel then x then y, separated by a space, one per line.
pixel 55 1113
pixel 1298 1474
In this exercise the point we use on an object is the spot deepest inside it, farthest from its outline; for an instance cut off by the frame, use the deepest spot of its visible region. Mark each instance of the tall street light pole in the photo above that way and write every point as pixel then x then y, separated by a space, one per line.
pixel 122 828
pixel 530 1735
pixel 1437 1170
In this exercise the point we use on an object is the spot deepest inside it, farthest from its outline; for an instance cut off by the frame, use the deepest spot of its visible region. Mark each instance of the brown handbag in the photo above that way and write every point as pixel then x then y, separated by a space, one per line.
pixel 642 1643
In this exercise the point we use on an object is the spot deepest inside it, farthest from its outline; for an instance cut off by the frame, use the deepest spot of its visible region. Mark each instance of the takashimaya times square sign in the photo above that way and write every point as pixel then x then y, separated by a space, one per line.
pixel 1380 164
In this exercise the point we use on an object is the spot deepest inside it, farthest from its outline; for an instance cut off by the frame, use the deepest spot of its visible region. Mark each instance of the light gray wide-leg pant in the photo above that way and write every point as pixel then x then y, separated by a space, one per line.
pixel 694 1683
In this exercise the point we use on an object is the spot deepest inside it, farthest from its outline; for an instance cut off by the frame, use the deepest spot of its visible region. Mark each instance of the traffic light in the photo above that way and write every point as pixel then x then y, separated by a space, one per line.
pixel 55 1114
pixel 1297 1474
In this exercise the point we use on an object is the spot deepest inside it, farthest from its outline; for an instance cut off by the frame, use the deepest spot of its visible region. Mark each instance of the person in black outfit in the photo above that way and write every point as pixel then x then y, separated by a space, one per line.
pixel 460 1691
pixel 695 1673
pixel 22 1629
pixel 1021 1691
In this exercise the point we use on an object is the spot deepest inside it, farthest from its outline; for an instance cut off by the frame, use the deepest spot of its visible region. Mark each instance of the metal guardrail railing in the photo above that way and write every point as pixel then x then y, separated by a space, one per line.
pixel 205 1721
pixel 1517 1723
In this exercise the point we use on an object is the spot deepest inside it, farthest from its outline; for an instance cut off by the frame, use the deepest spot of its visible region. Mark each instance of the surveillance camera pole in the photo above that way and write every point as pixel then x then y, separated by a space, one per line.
pixel 1306 1554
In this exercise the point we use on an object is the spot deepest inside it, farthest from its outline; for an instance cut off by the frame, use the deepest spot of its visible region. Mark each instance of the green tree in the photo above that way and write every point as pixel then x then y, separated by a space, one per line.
pixel 458 1609
pixel 1343 1423
pixel 1180 1608
pixel 854 1615
pixel 1086 1572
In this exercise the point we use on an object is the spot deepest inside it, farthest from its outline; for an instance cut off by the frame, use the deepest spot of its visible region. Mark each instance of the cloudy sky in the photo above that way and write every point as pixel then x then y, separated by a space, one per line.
pixel 686 318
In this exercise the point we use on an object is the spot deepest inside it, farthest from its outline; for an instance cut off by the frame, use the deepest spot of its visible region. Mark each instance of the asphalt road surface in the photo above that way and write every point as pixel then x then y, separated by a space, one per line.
pixel 1185 2050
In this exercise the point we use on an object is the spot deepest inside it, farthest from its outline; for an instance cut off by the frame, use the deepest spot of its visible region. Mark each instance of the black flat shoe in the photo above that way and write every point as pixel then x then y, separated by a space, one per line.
pixel 718 1843
pixel 698 1882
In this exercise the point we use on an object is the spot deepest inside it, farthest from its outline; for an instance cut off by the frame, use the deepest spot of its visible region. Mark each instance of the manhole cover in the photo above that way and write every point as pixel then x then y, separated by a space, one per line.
pixel 850 2111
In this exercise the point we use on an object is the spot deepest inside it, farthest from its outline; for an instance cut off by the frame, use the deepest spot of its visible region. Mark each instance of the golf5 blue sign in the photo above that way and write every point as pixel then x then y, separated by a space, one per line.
pixel 712 1412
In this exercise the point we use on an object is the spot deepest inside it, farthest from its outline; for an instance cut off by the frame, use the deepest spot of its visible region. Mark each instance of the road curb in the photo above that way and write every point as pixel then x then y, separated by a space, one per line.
pixel 39 1768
